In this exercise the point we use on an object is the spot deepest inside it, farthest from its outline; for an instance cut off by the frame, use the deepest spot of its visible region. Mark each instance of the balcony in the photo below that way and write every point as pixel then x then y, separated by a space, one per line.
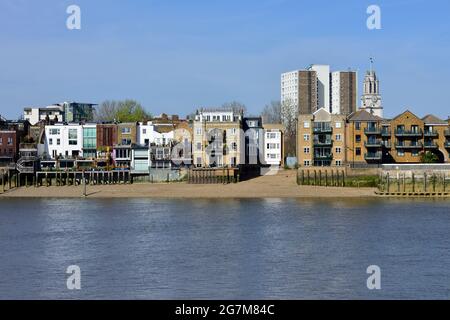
pixel 386 144
pixel 430 145
pixel 411 145
pixel 326 143
pixel 430 133
pixel 408 133
pixel 323 156
pixel 374 131
pixel 447 133
pixel 447 144
pixel 373 156
pixel 386 133
pixel 323 129
pixel 373 144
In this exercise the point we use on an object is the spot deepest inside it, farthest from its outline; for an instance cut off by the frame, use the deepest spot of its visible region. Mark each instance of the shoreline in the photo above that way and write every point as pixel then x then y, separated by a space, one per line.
pixel 281 185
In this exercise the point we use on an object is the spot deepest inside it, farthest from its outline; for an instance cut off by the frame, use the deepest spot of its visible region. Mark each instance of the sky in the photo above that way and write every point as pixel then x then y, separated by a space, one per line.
pixel 175 56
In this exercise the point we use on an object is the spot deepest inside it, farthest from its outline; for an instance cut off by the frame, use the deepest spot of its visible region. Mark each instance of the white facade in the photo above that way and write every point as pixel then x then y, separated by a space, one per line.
pixel 335 92
pixel 272 146
pixel 290 90
pixel 34 115
pixel 147 134
pixel 371 98
pixel 65 141
pixel 323 85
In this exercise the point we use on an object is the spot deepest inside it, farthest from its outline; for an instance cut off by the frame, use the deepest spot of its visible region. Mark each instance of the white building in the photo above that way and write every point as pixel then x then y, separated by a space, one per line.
pixel 371 98
pixel 290 89
pixel 323 85
pixel 150 134
pixel 64 141
pixel 34 115
pixel 273 145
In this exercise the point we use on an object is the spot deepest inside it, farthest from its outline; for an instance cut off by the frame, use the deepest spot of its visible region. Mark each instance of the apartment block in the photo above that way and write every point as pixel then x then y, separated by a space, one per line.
pixel 321 139
pixel 218 138
pixel 273 149
pixel 299 92
pixel 344 92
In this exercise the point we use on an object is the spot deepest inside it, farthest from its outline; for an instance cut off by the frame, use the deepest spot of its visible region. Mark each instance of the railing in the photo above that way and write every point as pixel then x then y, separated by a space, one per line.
pixel 373 144
pixel 322 129
pixel 323 156
pixel 415 145
pixel 374 130
pixel 447 133
pixel 430 145
pixel 447 144
pixel 413 133
pixel 385 133
pixel 373 156
pixel 430 133
pixel 323 143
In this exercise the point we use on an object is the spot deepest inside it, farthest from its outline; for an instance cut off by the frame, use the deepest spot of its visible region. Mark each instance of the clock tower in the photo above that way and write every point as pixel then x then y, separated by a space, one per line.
pixel 371 98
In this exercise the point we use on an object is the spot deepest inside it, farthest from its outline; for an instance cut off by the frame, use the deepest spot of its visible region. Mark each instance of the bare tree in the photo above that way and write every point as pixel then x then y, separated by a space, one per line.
pixel 272 112
pixel 106 111
pixel 236 106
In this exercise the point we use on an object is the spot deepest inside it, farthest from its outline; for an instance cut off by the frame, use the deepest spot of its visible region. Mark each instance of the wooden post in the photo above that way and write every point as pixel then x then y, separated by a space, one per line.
pixel 388 182
pixel 444 181
pixel 425 181
pixel 326 178
pixel 3 186
pixel 413 183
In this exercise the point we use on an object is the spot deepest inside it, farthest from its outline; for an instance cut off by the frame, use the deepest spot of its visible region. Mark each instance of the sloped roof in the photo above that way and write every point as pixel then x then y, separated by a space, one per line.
pixel 363 115
pixel 404 112
pixel 432 119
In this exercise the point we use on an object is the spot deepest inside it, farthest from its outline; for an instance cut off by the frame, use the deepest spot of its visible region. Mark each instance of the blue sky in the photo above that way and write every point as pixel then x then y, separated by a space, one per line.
pixel 176 55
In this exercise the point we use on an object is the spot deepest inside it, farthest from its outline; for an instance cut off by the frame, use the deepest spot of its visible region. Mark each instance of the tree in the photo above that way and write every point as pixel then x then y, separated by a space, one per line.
pixel 123 111
pixel 428 157
pixel 272 112
pixel 106 111
pixel 236 106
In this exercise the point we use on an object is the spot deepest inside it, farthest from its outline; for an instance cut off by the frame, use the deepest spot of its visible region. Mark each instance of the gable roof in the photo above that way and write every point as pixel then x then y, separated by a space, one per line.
pixel 406 111
pixel 363 115
pixel 432 119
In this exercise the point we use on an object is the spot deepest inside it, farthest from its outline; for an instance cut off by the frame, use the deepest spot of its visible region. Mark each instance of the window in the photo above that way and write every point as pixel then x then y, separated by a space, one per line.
pixel 144 131
pixel 306 150
pixel 73 135
pixel 234 146
pixel 400 153
pixel 199 161
pixel 199 146
pixel 415 153
pixel 53 132
pixel 306 124
pixel 306 163
pixel 338 125
pixel 338 163
pixel 198 131
pixel 50 141
pixel 338 150
pixel 271 135
pixel 126 142
pixel 306 137
pixel 358 125
pixel 1 141
pixel 338 137
pixel 358 151
pixel 358 138
pixel 126 130
pixel 58 141
pixel 233 131
pixel 10 141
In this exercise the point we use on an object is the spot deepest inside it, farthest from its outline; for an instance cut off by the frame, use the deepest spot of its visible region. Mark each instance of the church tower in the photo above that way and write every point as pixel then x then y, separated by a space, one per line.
pixel 371 98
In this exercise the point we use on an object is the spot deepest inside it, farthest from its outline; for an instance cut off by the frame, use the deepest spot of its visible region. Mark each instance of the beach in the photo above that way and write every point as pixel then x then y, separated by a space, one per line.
pixel 281 185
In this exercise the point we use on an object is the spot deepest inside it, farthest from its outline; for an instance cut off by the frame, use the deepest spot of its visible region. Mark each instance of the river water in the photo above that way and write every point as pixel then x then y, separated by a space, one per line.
pixel 224 249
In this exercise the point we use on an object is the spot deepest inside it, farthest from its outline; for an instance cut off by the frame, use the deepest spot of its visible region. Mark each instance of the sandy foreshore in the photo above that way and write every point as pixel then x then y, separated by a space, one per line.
pixel 282 185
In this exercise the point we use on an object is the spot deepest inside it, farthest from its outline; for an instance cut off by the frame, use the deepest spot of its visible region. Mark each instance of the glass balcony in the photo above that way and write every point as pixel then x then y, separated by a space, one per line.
pixel 373 156
pixel 430 133
pixel 324 156
pixel 447 144
pixel 408 133
pixel 325 143
pixel 447 133
pixel 323 128
pixel 410 145
pixel 372 130
pixel 373 144
pixel 430 145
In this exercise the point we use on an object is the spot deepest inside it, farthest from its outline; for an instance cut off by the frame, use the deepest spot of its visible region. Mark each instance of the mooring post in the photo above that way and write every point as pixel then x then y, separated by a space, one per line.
pixel 413 183
pixel 425 181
